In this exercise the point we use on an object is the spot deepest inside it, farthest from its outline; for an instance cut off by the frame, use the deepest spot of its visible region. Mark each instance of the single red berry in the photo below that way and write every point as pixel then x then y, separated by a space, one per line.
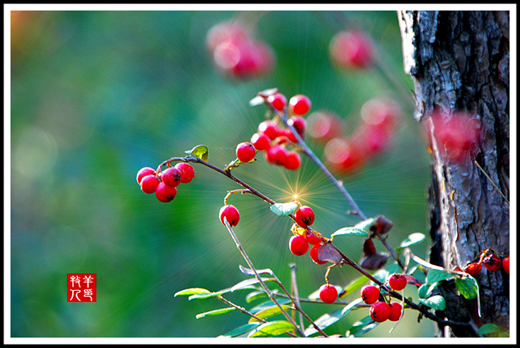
pixel 344 155
pixel 505 264
pixel 328 293
pixel 352 50
pixel 395 311
pixel 187 172
pixel 397 281
pixel 276 155
pixel 231 213
pixel 171 177
pixel 269 128
pixel 245 152
pixel 298 245
pixel 226 31
pixel 165 193
pixel 304 216
pixel 314 255
pixel 492 262
pixel 298 123
pixel 299 104
pixel 277 101
pixel 312 238
pixel 324 126
pixel 293 160
pixel 473 269
pixel 370 294
pixel 260 141
pixel 380 311
pixel 149 183
pixel 144 172
pixel 290 136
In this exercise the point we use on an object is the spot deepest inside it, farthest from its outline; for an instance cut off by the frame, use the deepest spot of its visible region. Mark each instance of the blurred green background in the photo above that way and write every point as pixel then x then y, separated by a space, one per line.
pixel 95 96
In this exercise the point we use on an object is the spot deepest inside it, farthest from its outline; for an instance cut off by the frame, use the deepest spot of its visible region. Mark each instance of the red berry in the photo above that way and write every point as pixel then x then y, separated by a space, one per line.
pixel 380 311
pixel 473 269
pixel 352 50
pixel 328 293
pixel 277 101
pixel 293 160
pixel 171 177
pixel 187 172
pixel 226 31
pixel 312 238
pixel 370 294
pixel 243 59
pixel 298 245
pixel 276 155
pixel 230 212
pixel 149 183
pixel 260 141
pixel 298 123
pixel 314 255
pixel 304 216
pixel 344 155
pixel 144 172
pixel 269 128
pixel 505 264
pixel 492 262
pixel 397 281
pixel 299 104
pixel 290 136
pixel 245 152
pixel 395 311
pixel 165 193
pixel 324 125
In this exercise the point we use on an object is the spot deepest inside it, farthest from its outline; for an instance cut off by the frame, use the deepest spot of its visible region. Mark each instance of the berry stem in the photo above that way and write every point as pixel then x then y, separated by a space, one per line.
pixel 236 191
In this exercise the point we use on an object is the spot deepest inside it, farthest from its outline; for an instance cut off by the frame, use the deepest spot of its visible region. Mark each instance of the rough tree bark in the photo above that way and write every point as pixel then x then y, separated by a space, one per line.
pixel 459 61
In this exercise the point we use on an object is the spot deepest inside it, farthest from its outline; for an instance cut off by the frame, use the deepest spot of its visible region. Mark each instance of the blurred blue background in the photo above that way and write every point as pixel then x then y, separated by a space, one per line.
pixel 96 95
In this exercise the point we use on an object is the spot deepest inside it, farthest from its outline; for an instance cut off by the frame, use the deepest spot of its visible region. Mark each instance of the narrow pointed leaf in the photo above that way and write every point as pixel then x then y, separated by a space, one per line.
pixel 365 225
pixel 255 295
pixel 467 286
pixel 489 328
pixel 199 151
pixel 354 285
pixel 324 321
pixel 268 304
pixel 217 293
pixel 350 231
pixel 352 305
pixel 284 209
pixel 269 312
pixel 215 312
pixel 361 327
pixel 412 239
pixel 436 275
pixel 249 272
pixel 436 302
pixel 248 282
pixel 273 328
pixel 256 101
pixel 240 330
pixel 191 291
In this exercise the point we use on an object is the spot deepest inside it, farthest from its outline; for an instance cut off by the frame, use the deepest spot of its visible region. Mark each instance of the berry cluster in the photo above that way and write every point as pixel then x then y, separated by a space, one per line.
pixel 278 142
pixel 236 53
pixel 491 261
pixel 346 154
pixel 164 184
pixel 352 50
pixel 381 310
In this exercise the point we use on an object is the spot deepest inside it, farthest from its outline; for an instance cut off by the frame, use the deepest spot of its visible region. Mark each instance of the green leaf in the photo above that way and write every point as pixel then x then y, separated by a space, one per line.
pixel 217 293
pixel 191 291
pixel 352 305
pixel 215 312
pixel 240 330
pixel 426 289
pixel 273 328
pixel 246 283
pixel 268 304
pixel 250 272
pixel 255 295
pixel 382 275
pixel 354 285
pixel 489 328
pixel 350 231
pixel 324 321
pixel 361 327
pixel 436 302
pixel 467 286
pixel 436 275
pixel 412 239
pixel 199 151
pixel 284 209
pixel 269 312
pixel 365 225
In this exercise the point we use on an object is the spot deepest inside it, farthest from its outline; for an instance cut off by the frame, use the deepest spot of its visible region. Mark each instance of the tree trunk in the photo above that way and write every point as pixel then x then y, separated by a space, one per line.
pixel 459 61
